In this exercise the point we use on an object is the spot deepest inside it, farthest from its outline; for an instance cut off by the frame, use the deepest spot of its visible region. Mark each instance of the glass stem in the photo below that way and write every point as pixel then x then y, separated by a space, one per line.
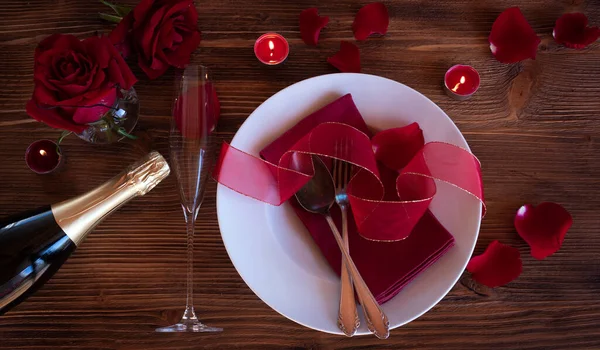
pixel 189 314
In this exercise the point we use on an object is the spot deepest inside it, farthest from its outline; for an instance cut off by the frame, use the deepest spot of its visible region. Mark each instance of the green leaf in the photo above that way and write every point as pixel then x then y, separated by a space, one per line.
pixel 121 11
pixel 98 122
pixel 64 134
pixel 122 131
pixel 110 18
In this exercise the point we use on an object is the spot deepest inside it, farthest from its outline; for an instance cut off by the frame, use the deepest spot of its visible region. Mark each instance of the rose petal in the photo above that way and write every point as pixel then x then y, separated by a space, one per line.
pixel 311 24
pixel 371 19
pixel 121 35
pixel 386 144
pixel 92 109
pixel 70 88
pixel 181 57
pixel 97 48
pixel 47 98
pixel 147 40
pixel 543 227
pixel 159 69
pixel 118 69
pixel 59 42
pixel 140 10
pixel 512 39
pixel 51 117
pixel 497 266
pixel 189 19
pixel 572 31
pixel 179 7
pixel 99 77
pixel 347 59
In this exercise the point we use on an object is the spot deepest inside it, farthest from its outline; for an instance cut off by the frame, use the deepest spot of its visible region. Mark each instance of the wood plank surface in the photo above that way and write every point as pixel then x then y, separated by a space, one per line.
pixel 534 125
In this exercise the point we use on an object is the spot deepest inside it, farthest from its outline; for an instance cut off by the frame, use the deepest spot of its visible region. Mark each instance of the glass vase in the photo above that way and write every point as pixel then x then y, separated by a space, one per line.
pixel 117 123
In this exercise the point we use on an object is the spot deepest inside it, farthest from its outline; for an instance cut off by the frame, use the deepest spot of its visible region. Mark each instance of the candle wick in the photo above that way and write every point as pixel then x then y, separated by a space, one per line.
pixel 462 81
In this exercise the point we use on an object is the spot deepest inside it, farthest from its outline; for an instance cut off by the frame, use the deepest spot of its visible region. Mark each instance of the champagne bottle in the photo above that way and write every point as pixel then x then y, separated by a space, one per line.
pixel 34 244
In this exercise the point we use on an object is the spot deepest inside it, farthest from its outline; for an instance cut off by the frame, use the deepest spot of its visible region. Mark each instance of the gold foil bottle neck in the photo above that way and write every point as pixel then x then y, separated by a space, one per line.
pixel 78 216
pixel 147 172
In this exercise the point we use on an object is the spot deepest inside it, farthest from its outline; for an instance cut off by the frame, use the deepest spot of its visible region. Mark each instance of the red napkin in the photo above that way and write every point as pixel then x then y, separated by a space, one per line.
pixel 386 267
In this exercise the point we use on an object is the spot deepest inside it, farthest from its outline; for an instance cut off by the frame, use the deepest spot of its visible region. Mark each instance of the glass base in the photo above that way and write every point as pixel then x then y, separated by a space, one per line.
pixel 189 326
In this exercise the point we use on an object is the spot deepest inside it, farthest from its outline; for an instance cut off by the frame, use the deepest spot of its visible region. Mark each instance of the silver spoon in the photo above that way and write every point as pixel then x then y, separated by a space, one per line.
pixel 317 196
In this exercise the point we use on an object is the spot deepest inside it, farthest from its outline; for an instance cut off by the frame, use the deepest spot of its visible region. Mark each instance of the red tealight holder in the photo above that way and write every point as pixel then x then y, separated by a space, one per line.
pixel 43 156
pixel 461 82
pixel 271 48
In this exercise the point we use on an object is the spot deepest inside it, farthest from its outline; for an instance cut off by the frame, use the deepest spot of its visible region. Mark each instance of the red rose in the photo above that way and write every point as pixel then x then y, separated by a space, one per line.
pixel 76 81
pixel 163 33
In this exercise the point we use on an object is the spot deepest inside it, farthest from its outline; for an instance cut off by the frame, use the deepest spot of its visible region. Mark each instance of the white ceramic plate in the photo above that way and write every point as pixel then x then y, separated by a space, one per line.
pixel 271 249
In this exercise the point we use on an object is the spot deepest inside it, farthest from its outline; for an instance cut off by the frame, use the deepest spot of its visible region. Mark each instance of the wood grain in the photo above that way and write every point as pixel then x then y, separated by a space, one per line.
pixel 534 125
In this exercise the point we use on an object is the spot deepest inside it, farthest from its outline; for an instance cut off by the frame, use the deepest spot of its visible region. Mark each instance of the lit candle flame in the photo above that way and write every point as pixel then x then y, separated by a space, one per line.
pixel 271 47
pixel 462 81
pixel 43 152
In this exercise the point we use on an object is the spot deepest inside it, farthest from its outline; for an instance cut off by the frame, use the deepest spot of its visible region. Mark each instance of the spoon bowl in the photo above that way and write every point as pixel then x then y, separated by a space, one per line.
pixel 318 195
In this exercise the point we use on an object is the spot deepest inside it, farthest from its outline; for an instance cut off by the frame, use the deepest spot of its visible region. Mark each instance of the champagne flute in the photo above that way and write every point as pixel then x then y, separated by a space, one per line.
pixel 192 151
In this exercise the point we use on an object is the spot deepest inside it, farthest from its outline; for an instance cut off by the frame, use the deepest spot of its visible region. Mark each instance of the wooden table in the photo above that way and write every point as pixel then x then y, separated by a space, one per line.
pixel 534 125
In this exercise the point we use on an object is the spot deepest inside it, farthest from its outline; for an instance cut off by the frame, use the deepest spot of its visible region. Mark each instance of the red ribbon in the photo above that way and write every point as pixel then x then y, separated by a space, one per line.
pixel 393 181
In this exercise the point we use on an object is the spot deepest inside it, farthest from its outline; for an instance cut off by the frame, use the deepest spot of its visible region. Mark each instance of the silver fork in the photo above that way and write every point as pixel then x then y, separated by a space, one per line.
pixel 377 321
pixel 348 320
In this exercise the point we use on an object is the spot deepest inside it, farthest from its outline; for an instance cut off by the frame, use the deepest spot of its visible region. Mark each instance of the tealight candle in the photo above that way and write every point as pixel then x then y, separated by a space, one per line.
pixel 271 48
pixel 43 156
pixel 461 82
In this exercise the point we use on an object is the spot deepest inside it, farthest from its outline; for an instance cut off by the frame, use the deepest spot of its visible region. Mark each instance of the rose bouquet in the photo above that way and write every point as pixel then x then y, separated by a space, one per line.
pixel 86 87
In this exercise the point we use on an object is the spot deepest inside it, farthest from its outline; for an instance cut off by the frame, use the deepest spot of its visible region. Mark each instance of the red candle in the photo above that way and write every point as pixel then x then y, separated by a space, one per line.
pixel 460 81
pixel 43 156
pixel 271 48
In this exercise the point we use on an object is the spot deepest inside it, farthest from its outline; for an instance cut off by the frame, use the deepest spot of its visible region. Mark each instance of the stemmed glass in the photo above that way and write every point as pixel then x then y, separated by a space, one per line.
pixel 191 146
